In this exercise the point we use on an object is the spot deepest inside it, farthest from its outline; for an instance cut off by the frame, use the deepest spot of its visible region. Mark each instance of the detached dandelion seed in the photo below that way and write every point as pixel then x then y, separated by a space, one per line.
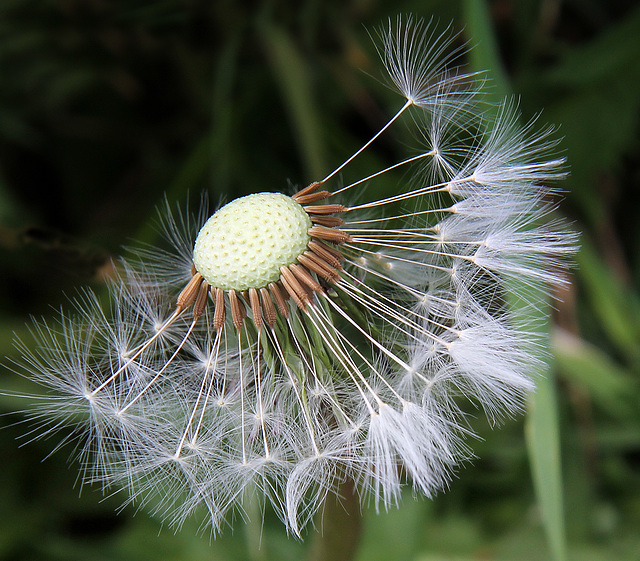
pixel 294 342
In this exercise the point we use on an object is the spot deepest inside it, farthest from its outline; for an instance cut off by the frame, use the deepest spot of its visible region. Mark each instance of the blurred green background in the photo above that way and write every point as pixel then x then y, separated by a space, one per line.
pixel 106 106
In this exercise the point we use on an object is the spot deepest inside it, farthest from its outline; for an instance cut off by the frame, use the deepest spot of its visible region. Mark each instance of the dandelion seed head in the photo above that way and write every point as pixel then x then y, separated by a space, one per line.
pixel 290 342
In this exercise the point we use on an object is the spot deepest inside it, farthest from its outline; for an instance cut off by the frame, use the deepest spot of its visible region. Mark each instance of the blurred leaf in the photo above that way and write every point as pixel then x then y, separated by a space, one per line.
pixel 617 308
pixel 612 54
pixel 543 433
pixel 610 386
pixel 296 87
pixel 594 95
pixel 543 441
pixel 223 107
pixel 484 55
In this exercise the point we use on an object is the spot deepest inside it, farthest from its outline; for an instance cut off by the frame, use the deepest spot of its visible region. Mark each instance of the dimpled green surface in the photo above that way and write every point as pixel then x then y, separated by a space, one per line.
pixel 244 244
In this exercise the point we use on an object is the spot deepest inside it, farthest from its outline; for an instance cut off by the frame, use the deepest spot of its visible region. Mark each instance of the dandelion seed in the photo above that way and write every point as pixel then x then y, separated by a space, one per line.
pixel 293 342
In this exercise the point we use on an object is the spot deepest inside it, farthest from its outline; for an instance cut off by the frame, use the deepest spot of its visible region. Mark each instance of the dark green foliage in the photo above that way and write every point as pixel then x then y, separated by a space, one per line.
pixel 108 106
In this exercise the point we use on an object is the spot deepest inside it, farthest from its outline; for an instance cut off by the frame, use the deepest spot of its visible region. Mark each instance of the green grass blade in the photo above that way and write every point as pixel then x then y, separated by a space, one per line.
pixel 542 428
pixel 484 55
pixel 617 307
pixel 295 85
pixel 543 441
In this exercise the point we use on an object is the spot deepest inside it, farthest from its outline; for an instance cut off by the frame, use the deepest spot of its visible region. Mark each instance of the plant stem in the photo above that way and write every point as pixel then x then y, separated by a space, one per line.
pixel 339 526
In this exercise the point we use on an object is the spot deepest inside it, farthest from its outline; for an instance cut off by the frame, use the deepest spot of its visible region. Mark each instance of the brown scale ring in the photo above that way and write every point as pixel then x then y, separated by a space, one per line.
pixel 316 268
